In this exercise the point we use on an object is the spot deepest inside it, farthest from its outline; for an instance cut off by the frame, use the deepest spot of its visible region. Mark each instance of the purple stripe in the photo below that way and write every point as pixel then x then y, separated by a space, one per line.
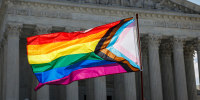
pixel 87 73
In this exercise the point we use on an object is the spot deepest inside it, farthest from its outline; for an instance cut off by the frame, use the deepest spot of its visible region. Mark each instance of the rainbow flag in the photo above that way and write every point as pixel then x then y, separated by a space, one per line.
pixel 61 58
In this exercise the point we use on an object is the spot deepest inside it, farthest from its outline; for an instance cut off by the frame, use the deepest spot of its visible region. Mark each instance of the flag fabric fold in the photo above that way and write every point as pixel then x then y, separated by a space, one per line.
pixel 61 58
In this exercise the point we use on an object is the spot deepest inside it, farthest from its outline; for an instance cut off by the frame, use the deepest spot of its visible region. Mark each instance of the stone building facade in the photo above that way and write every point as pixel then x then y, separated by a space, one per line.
pixel 170 33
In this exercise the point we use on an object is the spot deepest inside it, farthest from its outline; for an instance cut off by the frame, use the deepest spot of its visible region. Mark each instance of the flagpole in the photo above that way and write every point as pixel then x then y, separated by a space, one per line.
pixel 141 72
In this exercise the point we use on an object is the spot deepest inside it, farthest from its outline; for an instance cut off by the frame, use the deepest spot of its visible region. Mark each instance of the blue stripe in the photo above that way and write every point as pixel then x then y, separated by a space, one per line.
pixel 61 72
pixel 119 31
pixel 119 54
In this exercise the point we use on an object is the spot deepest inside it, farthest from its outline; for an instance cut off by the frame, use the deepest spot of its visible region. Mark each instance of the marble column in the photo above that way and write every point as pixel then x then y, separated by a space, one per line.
pixel 4 68
pixel 42 93
pixel 97 88
pixel 72 91
pixel 190 74
pixel 167 71
pixel 57 92
pixel 100 88
pixel 114 2
pixel 154 68
pixel 1 69
pixel 90 89
pixel 11 86
pixel 105 2
pixel 62 92
pixel 198 55
pixel 34 84
pixel 130 86
pixel 118 86
pixel 146 78
pixel 126 3
pixel 179 69
pixel 90 1
pixel 138 85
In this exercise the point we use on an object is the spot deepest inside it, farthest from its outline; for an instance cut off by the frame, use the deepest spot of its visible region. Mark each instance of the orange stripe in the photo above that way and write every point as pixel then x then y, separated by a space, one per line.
pixel 50 47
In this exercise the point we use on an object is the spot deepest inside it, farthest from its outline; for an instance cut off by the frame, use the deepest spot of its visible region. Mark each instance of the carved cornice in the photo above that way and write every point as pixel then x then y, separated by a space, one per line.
pixel 145 4
pixel 189 50
pixel 197 44
pixel 178 42
pixel 154 40
pixel 179 39
pixel 72 29
pixel 28 10
pixel 154 37
pixel 13 29
pixel 42 29
pixel 166 48
pixel 144 46
pixel 188 5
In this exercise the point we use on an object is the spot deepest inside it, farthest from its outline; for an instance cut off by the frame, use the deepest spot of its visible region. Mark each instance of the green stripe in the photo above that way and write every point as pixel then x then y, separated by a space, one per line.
pixel 64 61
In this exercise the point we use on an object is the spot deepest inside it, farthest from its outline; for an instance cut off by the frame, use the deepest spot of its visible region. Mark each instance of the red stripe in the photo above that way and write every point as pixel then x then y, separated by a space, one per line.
pixel 64 36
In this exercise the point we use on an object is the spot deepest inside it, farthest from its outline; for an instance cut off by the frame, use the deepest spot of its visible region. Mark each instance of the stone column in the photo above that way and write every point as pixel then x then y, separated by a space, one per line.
pixel 105 2
pixel 4 68
pixel 198 55
pixel 114 2
pixel 1 70
pixel 42 93
pixel 126 3
pixel 167 71
pixel 91 1
pixel 90 89
pixel 100 88
pixel 154 68
pixel 118 86
pixel 72 91
pixel 96 88
pixel 34 84
pixel 130 86
pixel 190 74
pixel 146 80
pixel 179 70
pixel 11 86
pixel 62 92
pixel 138 85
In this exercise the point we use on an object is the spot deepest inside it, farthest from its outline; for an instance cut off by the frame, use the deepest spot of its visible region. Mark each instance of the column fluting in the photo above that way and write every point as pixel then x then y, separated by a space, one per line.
pixel 167 71
pixel 11 68
pixel 130 86
pixel 179 69
pixel 190 74
pixel 145 65
pixel 154 67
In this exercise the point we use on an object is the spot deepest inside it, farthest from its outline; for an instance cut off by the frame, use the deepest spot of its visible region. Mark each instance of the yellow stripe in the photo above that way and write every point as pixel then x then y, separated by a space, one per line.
pixel 74 49
pixel 50 47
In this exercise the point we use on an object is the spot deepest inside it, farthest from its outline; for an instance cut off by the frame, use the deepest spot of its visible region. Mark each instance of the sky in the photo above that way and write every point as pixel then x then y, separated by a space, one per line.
pixel 196 68
pixel 195 1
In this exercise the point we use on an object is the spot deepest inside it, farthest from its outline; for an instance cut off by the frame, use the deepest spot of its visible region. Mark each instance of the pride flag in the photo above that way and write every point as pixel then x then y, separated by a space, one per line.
pixel 61 58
